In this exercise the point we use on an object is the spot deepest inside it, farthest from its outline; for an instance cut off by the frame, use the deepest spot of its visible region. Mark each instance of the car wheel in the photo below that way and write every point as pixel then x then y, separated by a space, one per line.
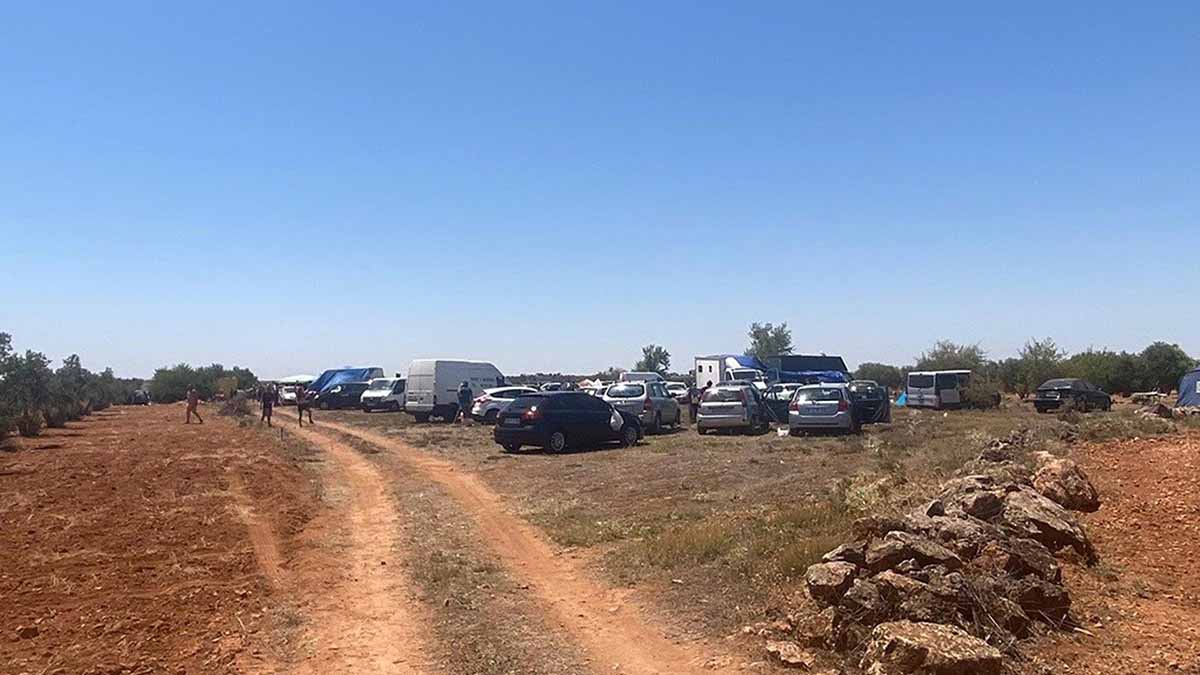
pixel 701 430
pixel 678 418
pixel 491 415
pixel 629 436
pixel 795 432
pixel 558 442
pixel 421 417
pixel 656 428
pixel 512 447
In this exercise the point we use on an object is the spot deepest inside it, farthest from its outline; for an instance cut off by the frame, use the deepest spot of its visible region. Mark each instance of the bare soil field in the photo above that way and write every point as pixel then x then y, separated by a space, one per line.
pixel 132 543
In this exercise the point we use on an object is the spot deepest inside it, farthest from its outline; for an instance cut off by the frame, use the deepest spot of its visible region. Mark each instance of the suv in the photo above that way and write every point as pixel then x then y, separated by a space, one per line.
pixel 488 406
pixel 732 405
pixel 556 420
pixel 822 406
pixel 649 400
pixel 345 395
pixel 1080 394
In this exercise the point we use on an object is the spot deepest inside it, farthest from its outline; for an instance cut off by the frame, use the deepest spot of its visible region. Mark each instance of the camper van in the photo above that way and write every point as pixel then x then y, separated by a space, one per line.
pixel 433 385
pixel 937 389
pixel 638 376
pixel 720 368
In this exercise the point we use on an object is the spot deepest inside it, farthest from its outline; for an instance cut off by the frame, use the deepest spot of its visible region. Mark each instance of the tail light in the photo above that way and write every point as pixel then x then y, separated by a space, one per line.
pixel 794 406
pixel 482 399
pixel 843 405
pixel 532 414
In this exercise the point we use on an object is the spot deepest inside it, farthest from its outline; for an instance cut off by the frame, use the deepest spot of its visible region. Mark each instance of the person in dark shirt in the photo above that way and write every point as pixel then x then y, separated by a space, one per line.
pixel 464 400
pixel 267 398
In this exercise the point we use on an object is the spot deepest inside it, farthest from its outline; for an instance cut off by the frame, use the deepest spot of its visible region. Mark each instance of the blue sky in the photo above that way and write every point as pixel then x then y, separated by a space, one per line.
pixel 550 186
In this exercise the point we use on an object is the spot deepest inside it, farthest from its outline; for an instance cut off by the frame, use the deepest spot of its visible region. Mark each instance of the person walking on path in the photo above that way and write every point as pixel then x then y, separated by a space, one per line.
pixel 193 402
pixel 464 400
pixel 267 398
pixel 303 404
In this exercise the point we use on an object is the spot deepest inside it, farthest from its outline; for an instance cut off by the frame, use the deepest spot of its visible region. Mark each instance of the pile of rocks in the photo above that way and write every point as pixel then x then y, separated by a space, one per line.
pixel 1167 412
pixel 972 570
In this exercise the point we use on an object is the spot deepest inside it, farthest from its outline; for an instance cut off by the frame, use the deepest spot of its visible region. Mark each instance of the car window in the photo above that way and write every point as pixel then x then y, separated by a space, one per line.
pixel 819 394
pixel 588 402
pixel 920 381
pixel 628 390
pixel 947 381
pixel 723 395
pixel 523 403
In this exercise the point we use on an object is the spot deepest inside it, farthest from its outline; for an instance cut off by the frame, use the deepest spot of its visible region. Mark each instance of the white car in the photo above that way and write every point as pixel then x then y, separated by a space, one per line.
pixel 287 395
pixel 384 393
pixel 680 391
pixel 488 407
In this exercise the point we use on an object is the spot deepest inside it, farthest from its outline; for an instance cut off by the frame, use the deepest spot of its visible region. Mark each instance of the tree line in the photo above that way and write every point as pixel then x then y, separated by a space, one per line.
pixel 1158 367
pixel 34 395
pixel 171 384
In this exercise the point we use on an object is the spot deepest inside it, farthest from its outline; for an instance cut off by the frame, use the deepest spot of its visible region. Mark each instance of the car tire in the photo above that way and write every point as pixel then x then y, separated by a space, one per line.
pixel 701 430
pixel 656 428
pixel 795 432
pixel 557 442
pixel 490 416
pixel 421 417
pixel 678 418
pixel 512 447
pixel 629 436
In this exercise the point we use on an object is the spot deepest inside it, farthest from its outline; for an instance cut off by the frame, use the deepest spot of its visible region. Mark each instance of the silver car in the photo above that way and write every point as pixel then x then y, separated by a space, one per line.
pixel 488 406
pixel 732 406
pixel 822 406
pixel 650 401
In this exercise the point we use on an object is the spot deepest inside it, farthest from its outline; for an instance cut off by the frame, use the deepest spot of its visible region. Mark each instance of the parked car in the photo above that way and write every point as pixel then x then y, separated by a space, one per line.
pixel 287 395
pixel 1079 394
pixel 556 420
pixel 938 389
pixel 732 405
pixel 822 406
pixel 778 398
pixel 344 395
pixel 432 389
pixel 488 406
pixel 680 391
pixel 649 400
pixel 384 393
pixel 870 402
pixel 640 376
pixel 139 397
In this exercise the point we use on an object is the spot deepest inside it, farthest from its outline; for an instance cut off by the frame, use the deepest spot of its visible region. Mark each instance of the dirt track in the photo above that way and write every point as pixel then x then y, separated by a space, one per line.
pixel 616 632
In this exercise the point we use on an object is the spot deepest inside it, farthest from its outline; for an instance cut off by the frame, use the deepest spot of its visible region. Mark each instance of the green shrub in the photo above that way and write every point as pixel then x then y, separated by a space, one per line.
pixel 29 425
pixel 982 394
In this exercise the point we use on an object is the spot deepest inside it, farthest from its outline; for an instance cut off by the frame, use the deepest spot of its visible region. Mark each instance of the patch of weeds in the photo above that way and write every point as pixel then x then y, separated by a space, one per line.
pixel 693 543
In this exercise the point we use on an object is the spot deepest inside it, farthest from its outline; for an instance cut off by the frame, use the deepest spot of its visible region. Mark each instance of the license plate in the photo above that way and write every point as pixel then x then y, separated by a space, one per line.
pixel 512 422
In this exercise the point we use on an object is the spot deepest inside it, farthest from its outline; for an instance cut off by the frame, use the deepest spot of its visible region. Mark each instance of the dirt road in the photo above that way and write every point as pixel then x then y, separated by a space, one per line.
pixel 618 634
pixel 364 620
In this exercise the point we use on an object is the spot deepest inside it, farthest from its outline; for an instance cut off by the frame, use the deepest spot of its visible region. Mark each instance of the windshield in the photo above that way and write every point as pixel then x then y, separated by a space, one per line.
pixel 380 385
pixel 745 374
pixel 626 391
pixel 821 394
pixel 1057 384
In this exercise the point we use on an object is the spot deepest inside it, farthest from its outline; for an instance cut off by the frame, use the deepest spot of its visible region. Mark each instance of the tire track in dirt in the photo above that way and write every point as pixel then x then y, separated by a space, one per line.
pixel 365 623
pixel 617 635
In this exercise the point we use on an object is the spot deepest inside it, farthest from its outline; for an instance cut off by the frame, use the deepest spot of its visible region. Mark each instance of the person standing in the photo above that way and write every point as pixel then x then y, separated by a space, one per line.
pixel 464 400
pixel 267 399
pixel 693 402
pixel 193 403
pixel 303 404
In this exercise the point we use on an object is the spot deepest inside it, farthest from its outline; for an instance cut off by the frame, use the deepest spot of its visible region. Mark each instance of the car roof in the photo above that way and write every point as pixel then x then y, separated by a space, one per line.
pixel 826 385
pixel 1059 382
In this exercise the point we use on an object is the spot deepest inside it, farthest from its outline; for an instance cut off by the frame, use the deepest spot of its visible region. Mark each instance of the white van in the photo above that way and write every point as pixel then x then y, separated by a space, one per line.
pixel 433 385
pixel 384 393
pixel 936 388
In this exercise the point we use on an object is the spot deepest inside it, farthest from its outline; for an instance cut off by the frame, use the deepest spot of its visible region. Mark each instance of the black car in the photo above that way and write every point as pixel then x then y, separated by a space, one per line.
pixel 1079 394
pixel 870 402
pixel 556 420
pixel 344 395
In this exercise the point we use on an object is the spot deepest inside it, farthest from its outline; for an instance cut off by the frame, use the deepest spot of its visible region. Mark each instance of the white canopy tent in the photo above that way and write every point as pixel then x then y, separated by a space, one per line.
pixel 296 379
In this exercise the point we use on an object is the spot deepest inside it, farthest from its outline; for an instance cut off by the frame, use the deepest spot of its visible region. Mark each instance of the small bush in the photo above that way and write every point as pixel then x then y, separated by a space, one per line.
pixel 238 406
pixel 29 425
pixel 982 394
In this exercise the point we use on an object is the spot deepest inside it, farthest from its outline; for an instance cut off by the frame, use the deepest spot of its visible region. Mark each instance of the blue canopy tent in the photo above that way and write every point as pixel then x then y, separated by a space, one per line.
pixel 1189 388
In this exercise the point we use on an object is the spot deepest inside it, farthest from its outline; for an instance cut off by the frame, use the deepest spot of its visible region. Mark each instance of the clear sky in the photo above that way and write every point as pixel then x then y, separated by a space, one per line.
pixel 291 186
